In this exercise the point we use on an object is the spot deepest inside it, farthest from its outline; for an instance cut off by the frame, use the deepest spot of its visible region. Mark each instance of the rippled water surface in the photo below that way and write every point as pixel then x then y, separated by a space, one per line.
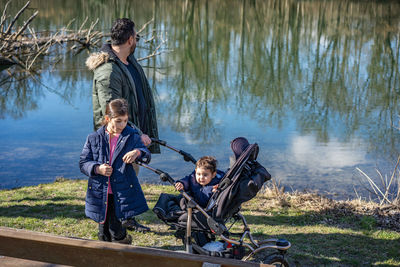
pixel 314 83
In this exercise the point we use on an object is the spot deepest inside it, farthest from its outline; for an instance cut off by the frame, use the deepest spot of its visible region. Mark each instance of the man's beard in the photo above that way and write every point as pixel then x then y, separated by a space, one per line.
pixel 132 49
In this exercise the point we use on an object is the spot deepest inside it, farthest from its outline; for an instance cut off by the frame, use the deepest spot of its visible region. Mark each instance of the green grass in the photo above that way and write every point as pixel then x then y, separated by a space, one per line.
pixel 318 237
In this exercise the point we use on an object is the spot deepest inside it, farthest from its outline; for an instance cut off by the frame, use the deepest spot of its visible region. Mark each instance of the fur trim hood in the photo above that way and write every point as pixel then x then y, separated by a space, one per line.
pixel 96 59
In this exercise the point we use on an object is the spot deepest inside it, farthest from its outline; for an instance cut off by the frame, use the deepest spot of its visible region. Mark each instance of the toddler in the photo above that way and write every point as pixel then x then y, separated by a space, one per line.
pixel 203 181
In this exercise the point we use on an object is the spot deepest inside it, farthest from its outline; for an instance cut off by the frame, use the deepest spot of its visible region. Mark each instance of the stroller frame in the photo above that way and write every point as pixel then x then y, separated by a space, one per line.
pixel 281 245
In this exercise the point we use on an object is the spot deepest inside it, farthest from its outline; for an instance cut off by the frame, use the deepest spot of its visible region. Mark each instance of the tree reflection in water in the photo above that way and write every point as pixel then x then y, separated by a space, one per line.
pixel 331 68
pixel 18 95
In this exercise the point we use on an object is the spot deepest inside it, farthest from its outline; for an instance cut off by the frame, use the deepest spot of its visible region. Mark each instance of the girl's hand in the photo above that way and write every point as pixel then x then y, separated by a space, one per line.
pixel 179 186
pixel 131 156
pixel 104 169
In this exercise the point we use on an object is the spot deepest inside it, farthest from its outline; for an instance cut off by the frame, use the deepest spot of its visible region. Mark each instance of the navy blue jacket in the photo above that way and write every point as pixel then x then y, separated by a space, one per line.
pixel 201 194
pixel 128 195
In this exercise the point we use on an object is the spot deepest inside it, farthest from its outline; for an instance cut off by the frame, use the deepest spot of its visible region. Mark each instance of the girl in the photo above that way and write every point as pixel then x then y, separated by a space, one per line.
pixel 114 193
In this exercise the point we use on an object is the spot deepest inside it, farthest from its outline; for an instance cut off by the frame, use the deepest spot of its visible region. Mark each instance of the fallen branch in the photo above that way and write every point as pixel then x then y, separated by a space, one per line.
pixel 24 46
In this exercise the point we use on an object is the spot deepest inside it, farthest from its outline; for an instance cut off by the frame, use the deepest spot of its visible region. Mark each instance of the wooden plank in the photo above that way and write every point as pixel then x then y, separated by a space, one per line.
pixel 14 262
pixel 48 248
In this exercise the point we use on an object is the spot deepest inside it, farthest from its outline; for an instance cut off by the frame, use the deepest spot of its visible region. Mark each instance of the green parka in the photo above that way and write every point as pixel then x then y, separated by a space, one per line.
pixel 113 80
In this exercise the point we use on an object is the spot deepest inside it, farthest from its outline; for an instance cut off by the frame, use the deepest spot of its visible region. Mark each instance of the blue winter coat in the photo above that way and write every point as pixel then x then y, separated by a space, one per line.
pixel 128 195
pixel 201 194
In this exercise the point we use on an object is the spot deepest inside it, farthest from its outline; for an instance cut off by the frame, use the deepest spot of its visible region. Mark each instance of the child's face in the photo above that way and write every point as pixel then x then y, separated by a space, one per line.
pixel 204 176
pixel 117 125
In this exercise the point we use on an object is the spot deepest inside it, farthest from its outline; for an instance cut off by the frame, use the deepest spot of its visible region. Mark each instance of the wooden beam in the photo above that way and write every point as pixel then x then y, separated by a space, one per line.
pixel 48 248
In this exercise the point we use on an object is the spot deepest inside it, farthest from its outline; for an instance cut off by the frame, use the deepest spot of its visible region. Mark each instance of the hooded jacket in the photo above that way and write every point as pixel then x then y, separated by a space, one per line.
pixel 201 194
pixel 128 196
pixel 113 80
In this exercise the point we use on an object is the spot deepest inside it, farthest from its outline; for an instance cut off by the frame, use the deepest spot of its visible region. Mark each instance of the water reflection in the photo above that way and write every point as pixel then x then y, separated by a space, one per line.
pixel 273 59
pixel 17 95
pixel 326 158
pixel 21 90
pixel 326 70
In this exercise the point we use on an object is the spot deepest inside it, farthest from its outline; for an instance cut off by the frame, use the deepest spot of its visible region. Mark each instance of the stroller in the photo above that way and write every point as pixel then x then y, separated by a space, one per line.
pixel 203 225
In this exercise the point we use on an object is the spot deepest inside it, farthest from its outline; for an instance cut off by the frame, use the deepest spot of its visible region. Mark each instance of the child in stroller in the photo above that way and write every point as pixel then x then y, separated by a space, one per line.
pixel 241 183
pixel 203 181
pixel 200 185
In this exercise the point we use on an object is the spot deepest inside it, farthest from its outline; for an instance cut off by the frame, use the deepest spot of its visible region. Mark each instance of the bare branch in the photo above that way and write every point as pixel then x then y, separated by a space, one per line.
pixel 81 27
pixel 145 25
pixel 156 51
pixel 3 17
pixel 26 24
pixel 374 186
pixel 16 17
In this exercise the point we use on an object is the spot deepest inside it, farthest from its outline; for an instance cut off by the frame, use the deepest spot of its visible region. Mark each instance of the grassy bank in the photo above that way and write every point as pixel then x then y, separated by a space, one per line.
pixel 322 232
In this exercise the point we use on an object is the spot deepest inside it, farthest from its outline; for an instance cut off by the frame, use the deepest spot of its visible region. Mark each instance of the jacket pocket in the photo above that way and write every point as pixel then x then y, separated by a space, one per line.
pixel 95 189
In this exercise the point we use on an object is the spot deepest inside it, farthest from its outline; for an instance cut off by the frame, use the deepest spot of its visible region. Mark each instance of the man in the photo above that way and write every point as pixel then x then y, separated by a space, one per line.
pixel 117 74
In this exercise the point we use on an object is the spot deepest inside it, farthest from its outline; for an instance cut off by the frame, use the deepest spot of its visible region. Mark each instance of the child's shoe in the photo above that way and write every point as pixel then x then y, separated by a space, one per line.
pixel 103 237
pixel 126 240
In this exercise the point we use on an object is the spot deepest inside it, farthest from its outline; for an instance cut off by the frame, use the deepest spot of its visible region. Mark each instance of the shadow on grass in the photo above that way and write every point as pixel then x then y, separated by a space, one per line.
pixel 166 233
pixel 308 249
pixel 336 249
pixel 324 248
pixel 174 248
pixel 53 199
pixel 331 217
pixel 47 211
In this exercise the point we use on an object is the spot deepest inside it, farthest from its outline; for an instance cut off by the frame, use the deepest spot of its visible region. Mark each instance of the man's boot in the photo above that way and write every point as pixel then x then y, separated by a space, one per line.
pixel 133 225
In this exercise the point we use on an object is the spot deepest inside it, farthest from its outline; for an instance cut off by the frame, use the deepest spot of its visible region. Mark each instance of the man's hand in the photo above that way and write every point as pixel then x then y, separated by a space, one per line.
pixel 131 156
pixel 104 169
pixel 145 139
pixel 179 186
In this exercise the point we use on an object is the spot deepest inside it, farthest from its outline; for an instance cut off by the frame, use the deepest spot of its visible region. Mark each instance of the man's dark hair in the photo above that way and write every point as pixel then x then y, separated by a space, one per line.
pixel 121 30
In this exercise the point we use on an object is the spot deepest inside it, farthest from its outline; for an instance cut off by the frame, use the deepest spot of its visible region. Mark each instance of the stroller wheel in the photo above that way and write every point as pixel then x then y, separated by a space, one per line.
pixel 276 260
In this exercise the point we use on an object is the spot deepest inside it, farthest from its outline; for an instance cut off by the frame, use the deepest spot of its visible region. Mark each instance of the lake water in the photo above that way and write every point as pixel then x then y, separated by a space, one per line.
pixel 315 83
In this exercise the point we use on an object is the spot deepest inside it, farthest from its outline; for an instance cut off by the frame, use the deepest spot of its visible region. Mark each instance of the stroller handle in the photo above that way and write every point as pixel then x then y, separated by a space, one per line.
pixel 165 177
pixel 186 156
pixel 161 142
